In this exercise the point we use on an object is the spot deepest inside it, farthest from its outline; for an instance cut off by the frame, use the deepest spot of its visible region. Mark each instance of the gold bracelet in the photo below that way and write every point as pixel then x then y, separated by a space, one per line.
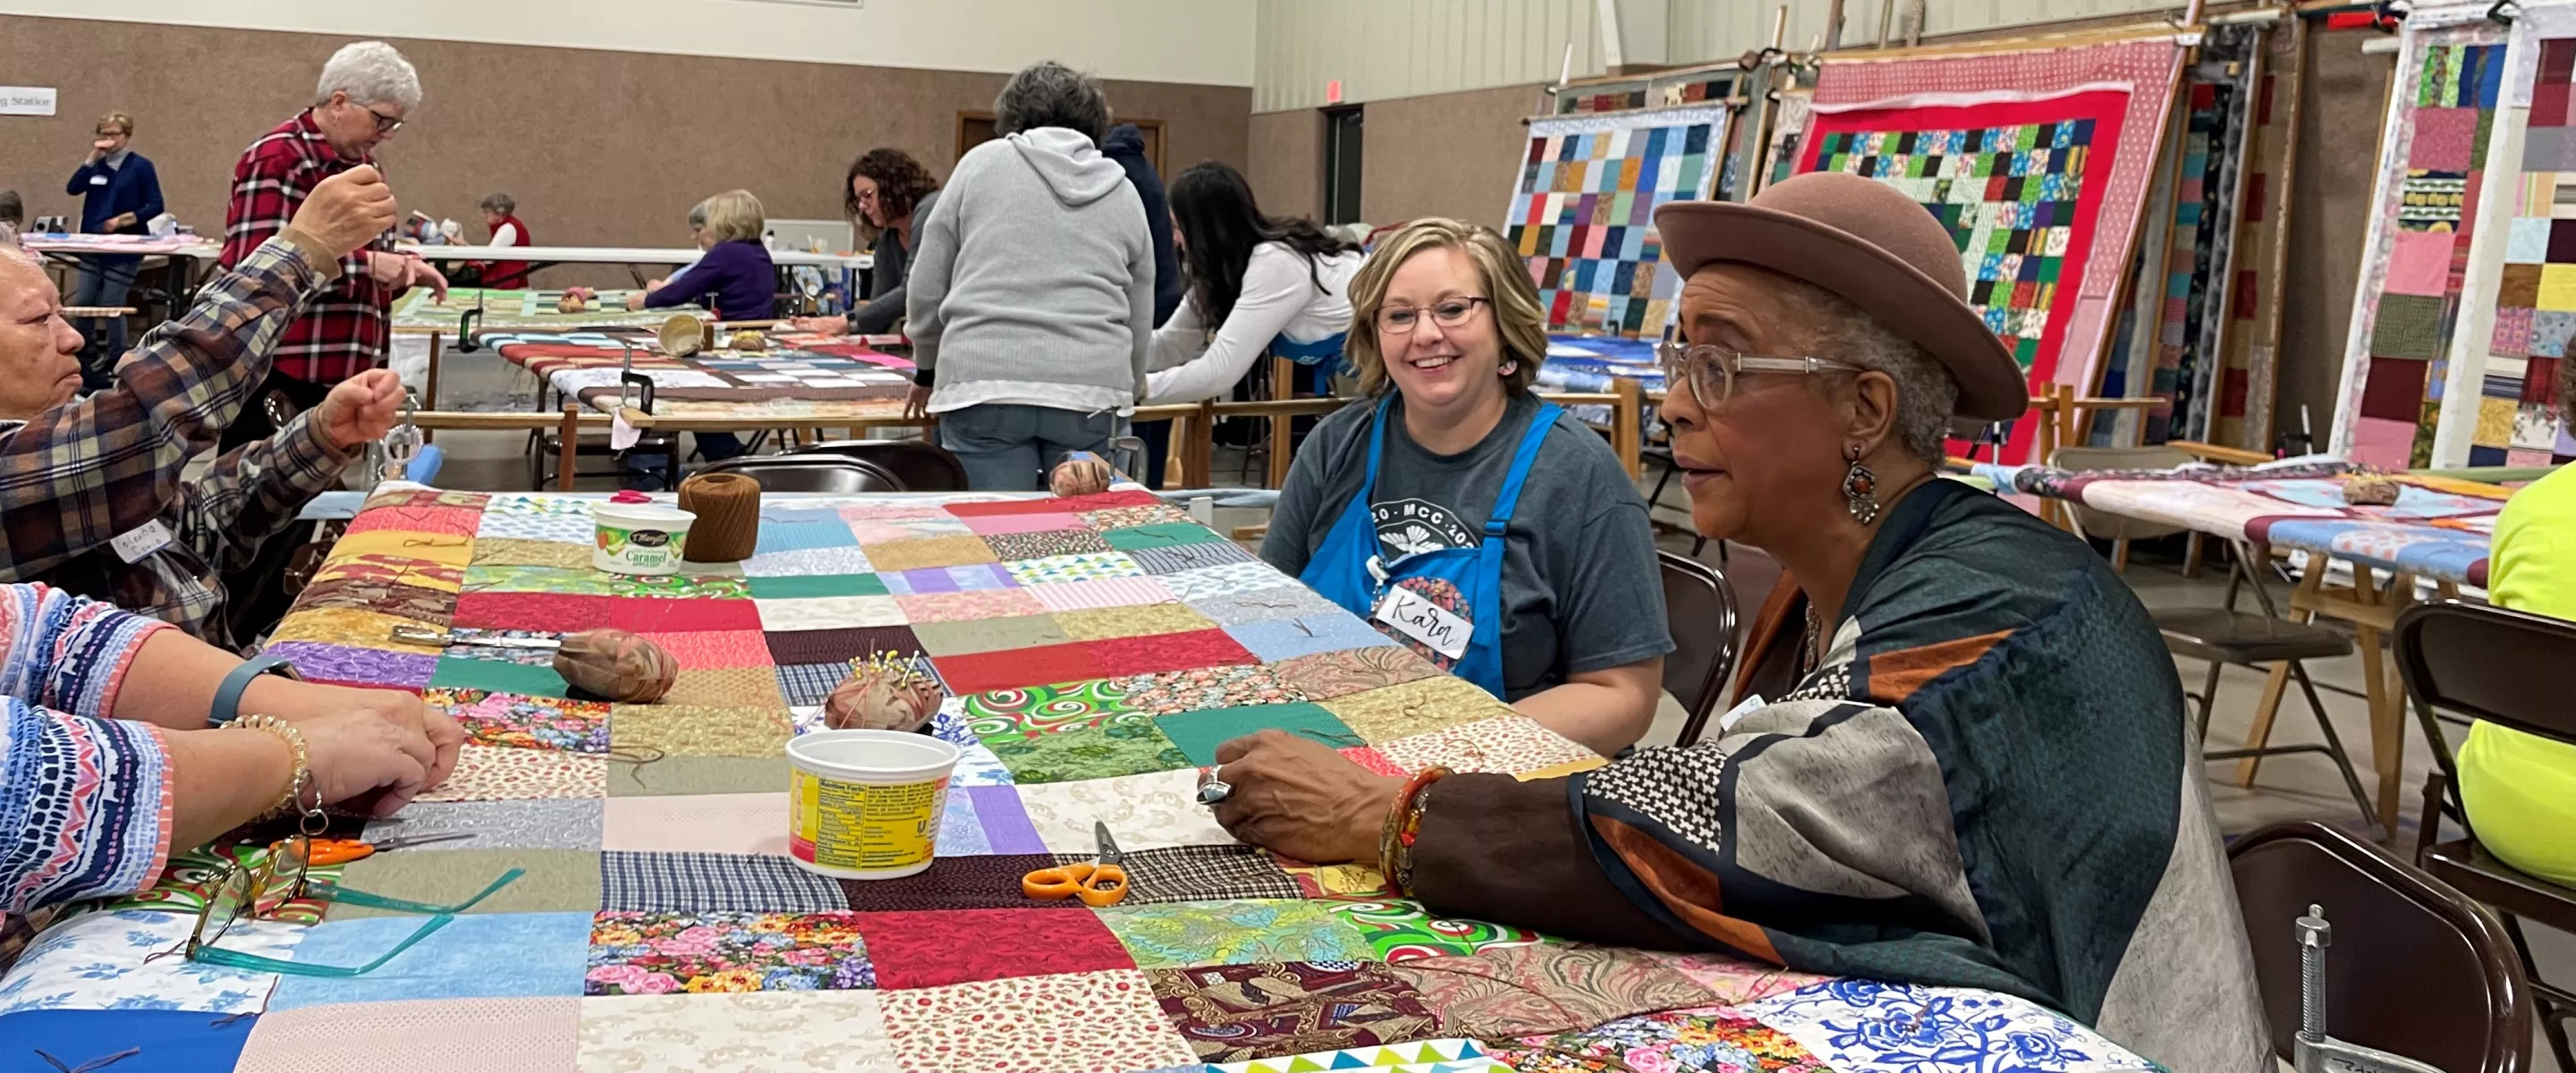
pixel 302 779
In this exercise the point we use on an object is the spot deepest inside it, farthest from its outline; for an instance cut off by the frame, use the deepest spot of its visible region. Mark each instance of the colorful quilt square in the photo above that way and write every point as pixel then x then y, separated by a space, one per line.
pixel 514 551
pixel 1203 582
pixel 525 722
pixel 653 953
pixel 975 577
pixel 841 646
pixel 987 525
pixel 1124 517
pixel 1058 569
pixel 1160 535
pixel 1506 745
pixel 357 666
pixel 1096 1020
pixel 704 882
pixel 1202 873
pixel 420 603
pixel 700 730
pixel 1177 558
pixel 989 635
pixel 441 1036
pixel 1182 935
pixel 549 823
pixel 809 585
pixel 1123 656
pixel 454 550
pixel 1145 620
pixel 953 882
pixel 779 532
pixel 499 675
pixel 1108 501
pixel 1374 761
pixel 489 773
pixel 1045 543
pixel 1417 707
pixel 713 581
pixel 1023 713
pixel 936 949
pixel 1108 750
pixel 996 507
pixel 1399 930
pixel 875 531
pixel 739 687
pixel 1159 808
pixel 477 955
pixel 549 612
pixel 1313 634
pixel 391 570
pixel 427 520
pixel 349 626
pixel 1327 675
pixel 1199 733
pixel 970 606
pixel 1277 603
pixel 1006 823
pixel 644 614
pixel 1232 1013
pixel 756 1032
pixel 537 579
pixel 557 881
pixel 806 562
pixel 807 684
pixel 697 650
pixel 1205 687
pixel 1101 592
pixel 829 613
pixel 930 553
pixel 982 672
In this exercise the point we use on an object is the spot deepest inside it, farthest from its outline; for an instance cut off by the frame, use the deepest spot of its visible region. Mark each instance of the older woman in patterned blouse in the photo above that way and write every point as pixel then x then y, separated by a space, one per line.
pixel 1974 769
pixel 111 763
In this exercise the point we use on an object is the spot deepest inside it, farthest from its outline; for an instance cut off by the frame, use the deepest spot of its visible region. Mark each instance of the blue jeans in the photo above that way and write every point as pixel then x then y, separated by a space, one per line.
pixel 1008 447
pixel 104 281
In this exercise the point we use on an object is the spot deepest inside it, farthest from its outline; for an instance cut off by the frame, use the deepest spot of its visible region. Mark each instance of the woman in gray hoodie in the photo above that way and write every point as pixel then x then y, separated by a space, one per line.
pixel 1031 303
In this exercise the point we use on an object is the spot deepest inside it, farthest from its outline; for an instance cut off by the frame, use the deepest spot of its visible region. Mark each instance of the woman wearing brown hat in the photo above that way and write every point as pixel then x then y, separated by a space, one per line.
pixel 1973 769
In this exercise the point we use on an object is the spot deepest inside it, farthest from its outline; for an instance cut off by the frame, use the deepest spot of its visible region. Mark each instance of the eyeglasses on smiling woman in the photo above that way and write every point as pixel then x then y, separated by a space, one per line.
pixel 1711 371
pixel 1448 313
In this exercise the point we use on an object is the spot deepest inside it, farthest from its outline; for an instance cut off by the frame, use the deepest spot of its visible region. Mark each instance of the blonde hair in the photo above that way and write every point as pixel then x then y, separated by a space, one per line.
pixel 119 120
pixel 1509 292
pixel 732 216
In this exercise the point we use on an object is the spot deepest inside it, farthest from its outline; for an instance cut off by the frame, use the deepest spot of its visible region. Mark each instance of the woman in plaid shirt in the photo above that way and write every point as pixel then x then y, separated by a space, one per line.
pixel 366 91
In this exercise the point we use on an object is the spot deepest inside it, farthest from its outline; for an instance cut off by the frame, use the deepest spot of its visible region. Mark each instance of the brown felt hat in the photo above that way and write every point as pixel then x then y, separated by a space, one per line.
pixel 1871 245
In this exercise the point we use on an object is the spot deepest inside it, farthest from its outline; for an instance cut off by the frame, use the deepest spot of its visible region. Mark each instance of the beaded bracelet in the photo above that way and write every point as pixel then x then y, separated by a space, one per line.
pixel 302 780
pixel 1403 825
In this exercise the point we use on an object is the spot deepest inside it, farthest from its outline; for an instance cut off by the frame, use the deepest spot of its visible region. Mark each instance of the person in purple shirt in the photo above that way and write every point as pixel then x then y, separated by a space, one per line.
pixel 736 280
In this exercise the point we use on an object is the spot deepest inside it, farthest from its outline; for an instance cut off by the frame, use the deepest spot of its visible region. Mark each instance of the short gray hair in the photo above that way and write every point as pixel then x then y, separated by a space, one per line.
pixel 370 72
pixel 1050 94
pixel 500 203
pixel 1925 390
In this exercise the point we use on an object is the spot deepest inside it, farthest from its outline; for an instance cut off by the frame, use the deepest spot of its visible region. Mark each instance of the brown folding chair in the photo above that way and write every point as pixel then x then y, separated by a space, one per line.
pixel 2485 661
pixel 2416 968
pixel 1700 607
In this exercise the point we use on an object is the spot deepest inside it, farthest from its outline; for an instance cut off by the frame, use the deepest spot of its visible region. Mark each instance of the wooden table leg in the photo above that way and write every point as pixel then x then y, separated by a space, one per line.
pixel 1283 385
pixel 571 447
pixel 429 394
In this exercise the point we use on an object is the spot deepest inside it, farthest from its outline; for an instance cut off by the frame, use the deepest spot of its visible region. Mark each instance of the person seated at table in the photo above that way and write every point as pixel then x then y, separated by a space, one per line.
pixel 2520 789
pixel 1032 294
pixel 99 500
pixel 1452 484
pixel 118 755
pixel 890 192
pixel 1981 777
pixel 1257 284
pixel 500 217
pixel 736 279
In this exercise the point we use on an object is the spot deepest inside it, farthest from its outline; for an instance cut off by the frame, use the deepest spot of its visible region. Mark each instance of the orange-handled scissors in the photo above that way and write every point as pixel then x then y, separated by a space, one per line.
pixel 324 852
pixel 1098 882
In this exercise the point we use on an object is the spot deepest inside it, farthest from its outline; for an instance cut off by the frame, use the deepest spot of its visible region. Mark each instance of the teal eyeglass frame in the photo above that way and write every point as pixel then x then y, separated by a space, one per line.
pixel 201 948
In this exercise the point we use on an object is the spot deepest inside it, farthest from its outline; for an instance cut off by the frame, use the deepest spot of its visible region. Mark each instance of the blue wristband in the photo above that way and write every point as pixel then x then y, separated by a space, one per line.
pixel 227 706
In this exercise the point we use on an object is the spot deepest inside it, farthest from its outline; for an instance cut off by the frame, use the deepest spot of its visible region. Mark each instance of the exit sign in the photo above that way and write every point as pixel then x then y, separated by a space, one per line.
pixel 1333 92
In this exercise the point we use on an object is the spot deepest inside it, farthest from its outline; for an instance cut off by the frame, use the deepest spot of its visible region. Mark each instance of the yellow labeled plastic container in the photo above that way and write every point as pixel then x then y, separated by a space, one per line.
pixel 866 804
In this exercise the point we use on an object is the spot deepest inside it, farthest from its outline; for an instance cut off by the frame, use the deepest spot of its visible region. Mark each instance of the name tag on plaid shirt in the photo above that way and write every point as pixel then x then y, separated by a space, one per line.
pixel 142 540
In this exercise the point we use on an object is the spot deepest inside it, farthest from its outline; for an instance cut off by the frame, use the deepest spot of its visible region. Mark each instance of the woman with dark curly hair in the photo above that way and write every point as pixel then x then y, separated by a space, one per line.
pixel 888 190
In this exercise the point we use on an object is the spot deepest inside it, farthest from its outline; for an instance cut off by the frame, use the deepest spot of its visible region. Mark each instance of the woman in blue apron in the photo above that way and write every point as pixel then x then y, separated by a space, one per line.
pixel 1465 518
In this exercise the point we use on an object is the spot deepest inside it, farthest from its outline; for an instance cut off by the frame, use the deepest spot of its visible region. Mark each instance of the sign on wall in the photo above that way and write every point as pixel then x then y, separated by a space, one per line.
pixel 27 100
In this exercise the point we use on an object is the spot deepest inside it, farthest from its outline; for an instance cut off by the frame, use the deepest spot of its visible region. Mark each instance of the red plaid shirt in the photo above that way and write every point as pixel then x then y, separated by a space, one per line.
pixel 345 330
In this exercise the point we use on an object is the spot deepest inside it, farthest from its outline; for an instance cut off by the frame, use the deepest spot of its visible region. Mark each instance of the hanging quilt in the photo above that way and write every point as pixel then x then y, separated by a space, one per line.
pixel 1584 213
pixel 2432 162
pixel 2216 95
pixel 2248 379
pixel 2037 161
pixel 2521 419
pixel 1788 122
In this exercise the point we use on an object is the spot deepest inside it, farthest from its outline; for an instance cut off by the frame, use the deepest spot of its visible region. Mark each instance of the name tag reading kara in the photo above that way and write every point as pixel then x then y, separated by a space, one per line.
pixel 142 540
pixel 1424 621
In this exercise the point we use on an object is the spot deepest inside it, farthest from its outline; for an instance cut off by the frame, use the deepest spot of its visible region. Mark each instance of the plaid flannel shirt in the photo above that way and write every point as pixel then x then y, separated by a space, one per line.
pixel 346 329
pixel 78 475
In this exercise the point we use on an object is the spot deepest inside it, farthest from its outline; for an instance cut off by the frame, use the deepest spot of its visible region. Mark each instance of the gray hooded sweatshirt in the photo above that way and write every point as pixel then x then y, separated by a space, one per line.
pixel 1033 279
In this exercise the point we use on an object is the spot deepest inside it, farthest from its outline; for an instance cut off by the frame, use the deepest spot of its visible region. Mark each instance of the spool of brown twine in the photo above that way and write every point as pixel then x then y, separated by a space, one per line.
pixel 728 510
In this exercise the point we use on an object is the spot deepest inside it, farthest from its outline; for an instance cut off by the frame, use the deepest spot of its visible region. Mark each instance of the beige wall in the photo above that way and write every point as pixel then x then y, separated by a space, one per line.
pixel 598 147
pixel 1286 153
pixel 2339 121
pixel 1455 154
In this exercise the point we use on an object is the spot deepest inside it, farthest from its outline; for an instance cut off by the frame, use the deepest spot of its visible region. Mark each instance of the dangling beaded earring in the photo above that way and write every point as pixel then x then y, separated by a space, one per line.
pixel 1860 491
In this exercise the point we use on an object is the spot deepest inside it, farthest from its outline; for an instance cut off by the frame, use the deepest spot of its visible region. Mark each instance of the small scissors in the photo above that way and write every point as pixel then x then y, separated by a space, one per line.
pixel 1098 883
pixel 330 851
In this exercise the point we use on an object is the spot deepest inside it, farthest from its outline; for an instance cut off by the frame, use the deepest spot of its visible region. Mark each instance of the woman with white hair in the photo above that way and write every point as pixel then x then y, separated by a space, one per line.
pixel 366 93
pixel 1031 302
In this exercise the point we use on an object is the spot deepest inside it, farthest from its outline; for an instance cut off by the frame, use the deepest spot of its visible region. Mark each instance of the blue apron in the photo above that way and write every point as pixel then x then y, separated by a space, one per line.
pixel 1315 352
pixel 1347 571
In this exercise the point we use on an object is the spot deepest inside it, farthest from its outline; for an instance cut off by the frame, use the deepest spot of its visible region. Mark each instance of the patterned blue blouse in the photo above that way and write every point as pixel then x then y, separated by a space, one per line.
pixel 86 807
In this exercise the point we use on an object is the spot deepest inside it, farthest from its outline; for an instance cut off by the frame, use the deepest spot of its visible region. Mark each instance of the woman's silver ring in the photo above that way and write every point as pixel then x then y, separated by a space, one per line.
pixel 1214 790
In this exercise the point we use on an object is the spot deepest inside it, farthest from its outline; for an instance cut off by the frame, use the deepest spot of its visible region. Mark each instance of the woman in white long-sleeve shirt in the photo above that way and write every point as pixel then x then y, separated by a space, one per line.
pixel 1256 284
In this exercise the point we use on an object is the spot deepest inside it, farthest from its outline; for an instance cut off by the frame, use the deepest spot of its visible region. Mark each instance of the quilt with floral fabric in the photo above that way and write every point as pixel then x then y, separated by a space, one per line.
pixel 660 924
